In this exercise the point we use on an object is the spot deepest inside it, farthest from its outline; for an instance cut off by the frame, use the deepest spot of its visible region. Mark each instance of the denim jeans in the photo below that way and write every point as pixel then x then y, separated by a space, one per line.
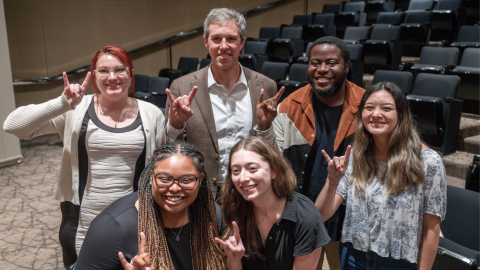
pixel 358 260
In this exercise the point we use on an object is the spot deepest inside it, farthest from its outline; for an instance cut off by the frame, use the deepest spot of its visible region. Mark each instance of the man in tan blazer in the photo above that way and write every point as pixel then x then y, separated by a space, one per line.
pixel 219 105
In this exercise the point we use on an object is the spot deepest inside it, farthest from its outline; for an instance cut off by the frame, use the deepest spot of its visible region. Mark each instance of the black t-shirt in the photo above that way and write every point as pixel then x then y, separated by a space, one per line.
pixel 299 232
pixel 116 229
pixel 327 120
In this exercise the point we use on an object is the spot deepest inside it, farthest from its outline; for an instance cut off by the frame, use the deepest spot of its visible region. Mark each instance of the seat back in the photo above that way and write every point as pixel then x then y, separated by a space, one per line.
pixel 292 32
pixel 394 18
pixel 354 7
pixel 275 71
pixel 255 47
pixel 356 51
pixel 204 63
pixel 385 33
pixel 462 219
pixel 269 32
pixel 418 17
pixel 141 82
pixel 298 72
pixel 471 58
pixel 325 19
pixel 469 33
pixel 309 45
pixel 439 56
pixel 356 33
pixel 453 5
pixel 188 64
pixel 332 8
pixel 420 4
pixel 403 79
pixel 157 88
pixel 436 85
pixel 302 19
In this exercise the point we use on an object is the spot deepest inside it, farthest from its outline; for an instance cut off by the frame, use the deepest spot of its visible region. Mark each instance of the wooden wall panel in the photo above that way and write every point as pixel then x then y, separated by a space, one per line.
pixel 49 36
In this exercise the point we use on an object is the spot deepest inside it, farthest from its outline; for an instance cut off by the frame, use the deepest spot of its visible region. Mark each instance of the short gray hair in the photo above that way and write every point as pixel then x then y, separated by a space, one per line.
pixel 219 15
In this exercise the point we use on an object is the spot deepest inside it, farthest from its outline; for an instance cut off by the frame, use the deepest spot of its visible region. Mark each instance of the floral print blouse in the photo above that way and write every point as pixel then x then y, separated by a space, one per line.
pixel 391 225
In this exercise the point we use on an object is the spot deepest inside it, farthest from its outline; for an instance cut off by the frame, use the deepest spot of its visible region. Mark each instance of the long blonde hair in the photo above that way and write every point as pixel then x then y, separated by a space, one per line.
pixel 404 166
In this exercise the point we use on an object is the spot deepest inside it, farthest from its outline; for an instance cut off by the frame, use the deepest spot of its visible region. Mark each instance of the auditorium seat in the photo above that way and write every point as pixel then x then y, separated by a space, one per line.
pixel 420 5
pixel 414 32
pixel 141 82
pixel 383 50
pixel 403 79
pixel 459 248
pixel 444 20
pixel 435 60
pixel 436 110
pixel 374 7
pixel 155 92
pixel 288 46
pixel 356 34
pixel 356 71
pixel 352 15
pixel 297 77
pixel 332 8
pixel 390 18
pixel 254 54
pixel 322 25
pixel 469 73
pixel 185 66
pixel 204 63
pixel 275 71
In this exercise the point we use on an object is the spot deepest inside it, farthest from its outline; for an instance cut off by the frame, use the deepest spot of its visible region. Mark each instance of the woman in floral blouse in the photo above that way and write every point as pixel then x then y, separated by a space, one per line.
pixel 393 185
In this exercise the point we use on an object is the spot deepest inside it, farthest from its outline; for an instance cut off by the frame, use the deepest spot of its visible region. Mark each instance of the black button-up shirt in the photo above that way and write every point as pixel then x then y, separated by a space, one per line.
pixel 298 232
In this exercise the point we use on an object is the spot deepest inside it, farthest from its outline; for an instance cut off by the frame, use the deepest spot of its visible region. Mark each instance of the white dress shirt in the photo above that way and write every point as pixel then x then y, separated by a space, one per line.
pixel 232 111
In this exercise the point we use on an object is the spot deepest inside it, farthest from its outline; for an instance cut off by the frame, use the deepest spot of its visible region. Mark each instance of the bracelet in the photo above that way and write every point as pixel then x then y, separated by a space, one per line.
pixel 331 184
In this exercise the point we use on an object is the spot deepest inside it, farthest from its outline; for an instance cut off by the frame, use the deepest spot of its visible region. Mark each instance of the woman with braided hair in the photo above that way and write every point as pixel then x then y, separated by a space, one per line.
pixel 170 223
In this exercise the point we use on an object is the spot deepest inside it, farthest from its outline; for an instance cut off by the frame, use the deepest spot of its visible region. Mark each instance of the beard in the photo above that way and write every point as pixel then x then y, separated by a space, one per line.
pixel 332 89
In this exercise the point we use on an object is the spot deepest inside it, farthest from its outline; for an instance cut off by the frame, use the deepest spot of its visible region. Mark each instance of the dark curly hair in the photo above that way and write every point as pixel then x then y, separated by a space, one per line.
pixel 344 51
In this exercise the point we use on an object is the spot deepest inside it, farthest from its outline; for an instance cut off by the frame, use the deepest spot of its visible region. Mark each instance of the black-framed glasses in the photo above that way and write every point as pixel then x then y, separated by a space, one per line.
pixel 165 180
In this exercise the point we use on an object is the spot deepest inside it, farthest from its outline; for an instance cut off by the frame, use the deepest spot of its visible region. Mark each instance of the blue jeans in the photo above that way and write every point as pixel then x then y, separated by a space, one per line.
pixel 351 258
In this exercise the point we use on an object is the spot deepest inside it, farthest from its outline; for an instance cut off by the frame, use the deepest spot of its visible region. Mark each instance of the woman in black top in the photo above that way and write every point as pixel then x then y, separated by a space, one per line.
pixel 277 227
pixel 176 213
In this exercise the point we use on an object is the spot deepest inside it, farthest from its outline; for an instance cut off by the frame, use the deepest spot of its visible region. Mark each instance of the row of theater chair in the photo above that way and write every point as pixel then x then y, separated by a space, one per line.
pixel 445 16
pixel 185 66
pixel 152 89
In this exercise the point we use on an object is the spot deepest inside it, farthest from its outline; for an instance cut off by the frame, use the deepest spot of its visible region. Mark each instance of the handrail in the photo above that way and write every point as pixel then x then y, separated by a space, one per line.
pixel 148 46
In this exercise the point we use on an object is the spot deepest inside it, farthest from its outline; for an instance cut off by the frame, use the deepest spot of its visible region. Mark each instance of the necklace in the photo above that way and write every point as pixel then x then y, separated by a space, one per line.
pixel 178 235
pixel 132 107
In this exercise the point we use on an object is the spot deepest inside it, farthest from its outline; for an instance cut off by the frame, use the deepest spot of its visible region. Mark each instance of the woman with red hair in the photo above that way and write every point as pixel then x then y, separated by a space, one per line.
pixel 107 140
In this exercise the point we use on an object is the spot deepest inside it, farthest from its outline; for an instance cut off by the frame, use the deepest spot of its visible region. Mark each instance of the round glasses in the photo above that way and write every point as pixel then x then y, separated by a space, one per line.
pixel 165 180
pixel 120 72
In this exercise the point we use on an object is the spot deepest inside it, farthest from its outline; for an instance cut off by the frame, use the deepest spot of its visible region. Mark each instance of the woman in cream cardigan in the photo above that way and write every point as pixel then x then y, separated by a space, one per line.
pixel 107 140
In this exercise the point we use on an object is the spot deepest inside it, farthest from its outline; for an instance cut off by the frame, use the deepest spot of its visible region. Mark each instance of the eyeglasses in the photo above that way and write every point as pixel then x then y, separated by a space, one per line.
pixel 120 71
pixel 165 180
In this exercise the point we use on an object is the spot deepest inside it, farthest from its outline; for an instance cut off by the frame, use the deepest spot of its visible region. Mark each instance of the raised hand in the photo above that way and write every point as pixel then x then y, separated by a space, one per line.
pixel 233 247
pixel 139 262
pixel 337 166
pixel 267 109
pixel 180 108
pixel 73 93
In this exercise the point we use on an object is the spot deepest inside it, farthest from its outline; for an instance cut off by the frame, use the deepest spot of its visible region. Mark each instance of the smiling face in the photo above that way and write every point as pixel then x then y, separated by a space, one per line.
pixel 251 175
pixel 174 200
pixel 379 115
pixel 326 69
pixel 112 76
pixel 224 44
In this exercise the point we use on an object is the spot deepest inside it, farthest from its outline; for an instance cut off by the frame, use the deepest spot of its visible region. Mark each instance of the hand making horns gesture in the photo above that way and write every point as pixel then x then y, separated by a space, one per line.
pixel 267 109
pixel 337 166
pixel 180 108
pixel 73 93
pixel 139 262
pixel 233 247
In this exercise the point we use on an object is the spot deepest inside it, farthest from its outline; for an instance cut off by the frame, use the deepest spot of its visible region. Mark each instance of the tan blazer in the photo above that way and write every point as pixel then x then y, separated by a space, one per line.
pixel 200 128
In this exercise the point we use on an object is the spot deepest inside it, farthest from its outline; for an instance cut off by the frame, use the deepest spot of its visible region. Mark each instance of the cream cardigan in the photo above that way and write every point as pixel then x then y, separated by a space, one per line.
pixel 56 116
